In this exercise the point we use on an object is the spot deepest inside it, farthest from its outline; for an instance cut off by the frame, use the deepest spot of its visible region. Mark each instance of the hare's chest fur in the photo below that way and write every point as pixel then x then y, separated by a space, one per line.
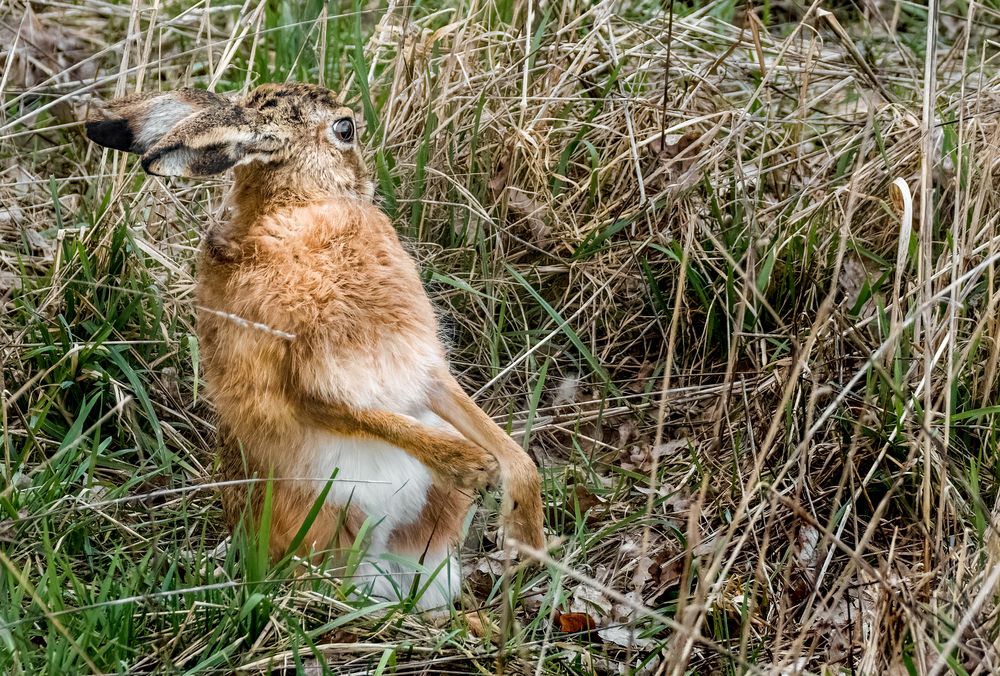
pixel 394 375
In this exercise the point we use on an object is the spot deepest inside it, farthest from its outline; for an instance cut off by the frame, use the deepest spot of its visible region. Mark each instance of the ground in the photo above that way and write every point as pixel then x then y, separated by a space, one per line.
pixel 729 274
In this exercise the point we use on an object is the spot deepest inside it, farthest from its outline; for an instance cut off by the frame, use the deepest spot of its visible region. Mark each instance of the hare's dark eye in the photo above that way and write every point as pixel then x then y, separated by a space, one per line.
pixel 343 129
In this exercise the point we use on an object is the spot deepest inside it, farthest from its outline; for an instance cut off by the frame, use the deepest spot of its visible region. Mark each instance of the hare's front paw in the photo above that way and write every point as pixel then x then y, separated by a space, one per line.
pixel 471 471
pixel 522 506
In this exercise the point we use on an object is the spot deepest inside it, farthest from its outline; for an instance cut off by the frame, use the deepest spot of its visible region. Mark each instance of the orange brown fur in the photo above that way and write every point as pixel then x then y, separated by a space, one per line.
pixel 351 363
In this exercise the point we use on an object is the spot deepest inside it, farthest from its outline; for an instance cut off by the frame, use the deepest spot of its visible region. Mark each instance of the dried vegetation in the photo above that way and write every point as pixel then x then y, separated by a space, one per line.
pixel 730 276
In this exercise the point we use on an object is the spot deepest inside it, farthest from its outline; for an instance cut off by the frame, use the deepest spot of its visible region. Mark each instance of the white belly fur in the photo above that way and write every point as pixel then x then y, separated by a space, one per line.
pixel 386 483
pixel 390 486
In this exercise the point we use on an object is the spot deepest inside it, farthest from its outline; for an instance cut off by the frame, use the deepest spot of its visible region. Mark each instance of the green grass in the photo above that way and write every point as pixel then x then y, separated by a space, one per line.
pixel 824 492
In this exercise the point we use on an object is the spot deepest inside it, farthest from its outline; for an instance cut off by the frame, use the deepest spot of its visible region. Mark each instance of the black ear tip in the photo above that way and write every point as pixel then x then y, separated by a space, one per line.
pixel 114 134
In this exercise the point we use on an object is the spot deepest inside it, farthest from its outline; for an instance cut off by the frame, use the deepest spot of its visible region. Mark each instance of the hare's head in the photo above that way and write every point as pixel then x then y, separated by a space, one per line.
pixel 282 138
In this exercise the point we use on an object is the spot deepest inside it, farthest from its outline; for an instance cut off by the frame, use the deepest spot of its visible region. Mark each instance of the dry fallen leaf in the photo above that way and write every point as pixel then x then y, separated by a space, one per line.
pixel 627 432
pixel 11 214
pixel 643 572
pixel 482 574
pixel 666 572
pixel 492 563
pixel 585 500
pixel 589 600
pixel 39 244
pixel 804 563
pixel 408 38
pixel 805 545
pixel 521 204
pixel 498 181
pixel 669 146
pixel 625 637
pixel 854 275
pixel 645 371
pixel 527 207
pixel 9 281
pixel 677 151
pixel 655 574
pixel 576 623
pixel 841 626
pixel 641 458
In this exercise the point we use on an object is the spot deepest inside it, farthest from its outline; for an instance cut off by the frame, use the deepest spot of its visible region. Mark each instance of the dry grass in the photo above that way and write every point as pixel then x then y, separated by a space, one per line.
pixel 668 252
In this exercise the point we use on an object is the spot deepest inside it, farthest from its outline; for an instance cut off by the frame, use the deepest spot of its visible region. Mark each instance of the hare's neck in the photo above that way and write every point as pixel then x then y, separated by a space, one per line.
pixel 260 190
pixel 258 193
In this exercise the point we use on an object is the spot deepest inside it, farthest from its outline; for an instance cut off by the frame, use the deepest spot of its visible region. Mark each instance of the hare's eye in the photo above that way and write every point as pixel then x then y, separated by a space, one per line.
pixel 343 129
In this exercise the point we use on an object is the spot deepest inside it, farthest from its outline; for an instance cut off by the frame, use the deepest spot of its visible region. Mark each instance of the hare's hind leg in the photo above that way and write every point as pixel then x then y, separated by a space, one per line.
pixel 244 491
pixel 292 503
pixel 426 552
pixel 432 583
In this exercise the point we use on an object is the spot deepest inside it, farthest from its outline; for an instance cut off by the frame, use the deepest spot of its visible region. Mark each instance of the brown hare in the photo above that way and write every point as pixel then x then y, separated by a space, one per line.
pixel 320 346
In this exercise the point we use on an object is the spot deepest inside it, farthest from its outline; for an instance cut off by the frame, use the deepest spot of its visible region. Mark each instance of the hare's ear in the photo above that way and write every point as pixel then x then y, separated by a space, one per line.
pixel 188 132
